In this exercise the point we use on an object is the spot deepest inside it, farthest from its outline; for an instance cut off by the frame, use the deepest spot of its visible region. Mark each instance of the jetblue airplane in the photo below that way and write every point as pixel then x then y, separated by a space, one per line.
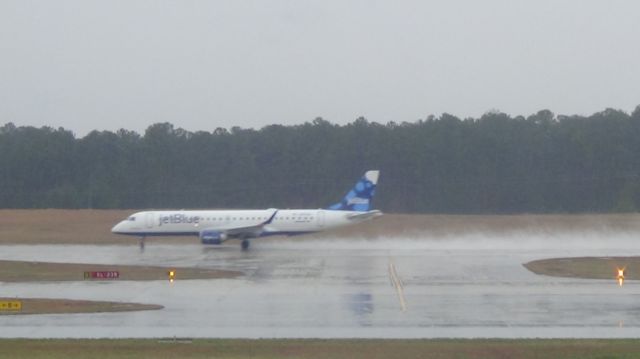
pixel 217 226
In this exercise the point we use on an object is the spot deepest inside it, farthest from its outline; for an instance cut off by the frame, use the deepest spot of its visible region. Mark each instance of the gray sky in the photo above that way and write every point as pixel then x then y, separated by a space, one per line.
pixel 200 65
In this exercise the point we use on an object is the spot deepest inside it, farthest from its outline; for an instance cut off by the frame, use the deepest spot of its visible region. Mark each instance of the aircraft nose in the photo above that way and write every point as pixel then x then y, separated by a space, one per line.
pixel 117 228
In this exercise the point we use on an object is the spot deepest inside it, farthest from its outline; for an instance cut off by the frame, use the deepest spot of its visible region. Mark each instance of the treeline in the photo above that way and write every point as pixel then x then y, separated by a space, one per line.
pixel 495 164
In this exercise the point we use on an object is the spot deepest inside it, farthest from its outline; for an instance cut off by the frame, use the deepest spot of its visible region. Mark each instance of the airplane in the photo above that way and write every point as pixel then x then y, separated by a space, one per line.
pixel 216 226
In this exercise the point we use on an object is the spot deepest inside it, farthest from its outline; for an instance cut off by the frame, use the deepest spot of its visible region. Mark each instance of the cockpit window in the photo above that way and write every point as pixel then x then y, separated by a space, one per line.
pixel 132 218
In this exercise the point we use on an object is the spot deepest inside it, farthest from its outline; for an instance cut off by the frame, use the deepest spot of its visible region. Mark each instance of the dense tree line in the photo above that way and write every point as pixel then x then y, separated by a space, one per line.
pixel 494 164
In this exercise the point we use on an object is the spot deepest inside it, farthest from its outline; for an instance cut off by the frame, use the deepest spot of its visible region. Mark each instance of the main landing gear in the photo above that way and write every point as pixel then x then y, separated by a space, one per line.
pixel 245 244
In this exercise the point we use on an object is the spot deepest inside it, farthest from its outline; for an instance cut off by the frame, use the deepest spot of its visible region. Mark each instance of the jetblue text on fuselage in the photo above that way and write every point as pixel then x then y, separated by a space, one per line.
pixel 178 218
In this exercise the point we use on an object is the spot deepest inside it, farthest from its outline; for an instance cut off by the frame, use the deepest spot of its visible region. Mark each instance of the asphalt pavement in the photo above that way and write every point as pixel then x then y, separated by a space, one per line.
pixel 461 287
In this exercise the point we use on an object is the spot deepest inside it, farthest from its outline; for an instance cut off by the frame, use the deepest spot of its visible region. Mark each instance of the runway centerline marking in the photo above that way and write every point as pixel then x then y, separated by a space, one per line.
pixel 396 282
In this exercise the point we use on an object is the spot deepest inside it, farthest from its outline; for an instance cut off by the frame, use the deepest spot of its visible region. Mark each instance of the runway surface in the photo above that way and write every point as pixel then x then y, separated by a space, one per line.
pixel 467 287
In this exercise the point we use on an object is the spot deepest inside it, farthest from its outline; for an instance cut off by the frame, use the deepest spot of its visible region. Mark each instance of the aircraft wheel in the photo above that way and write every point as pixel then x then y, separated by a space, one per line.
pixel 245 244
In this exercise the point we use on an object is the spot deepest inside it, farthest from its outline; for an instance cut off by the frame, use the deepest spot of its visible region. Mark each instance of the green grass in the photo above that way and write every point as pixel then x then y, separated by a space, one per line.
pixel 23 271
pixel 587 267
pixel 320 349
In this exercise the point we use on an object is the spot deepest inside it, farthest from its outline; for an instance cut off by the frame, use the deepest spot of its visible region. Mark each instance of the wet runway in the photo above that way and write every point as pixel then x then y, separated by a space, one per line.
pixel 471 286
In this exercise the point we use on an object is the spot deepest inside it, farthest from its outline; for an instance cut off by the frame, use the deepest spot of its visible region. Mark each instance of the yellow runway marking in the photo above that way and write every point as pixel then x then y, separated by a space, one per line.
pixel 396 282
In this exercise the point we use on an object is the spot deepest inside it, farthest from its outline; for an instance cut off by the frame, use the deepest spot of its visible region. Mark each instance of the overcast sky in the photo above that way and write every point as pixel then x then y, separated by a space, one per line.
pixel 87 65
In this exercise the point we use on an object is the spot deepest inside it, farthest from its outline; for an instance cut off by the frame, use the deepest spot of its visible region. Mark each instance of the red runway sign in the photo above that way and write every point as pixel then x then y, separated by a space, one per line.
pixel 102 275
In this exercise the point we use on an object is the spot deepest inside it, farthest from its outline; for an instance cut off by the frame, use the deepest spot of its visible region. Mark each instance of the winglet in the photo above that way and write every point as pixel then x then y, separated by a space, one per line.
pixel 268 221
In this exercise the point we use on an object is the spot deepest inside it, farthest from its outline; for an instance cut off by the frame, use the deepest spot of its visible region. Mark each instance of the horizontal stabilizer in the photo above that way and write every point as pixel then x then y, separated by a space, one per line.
pixel 364 216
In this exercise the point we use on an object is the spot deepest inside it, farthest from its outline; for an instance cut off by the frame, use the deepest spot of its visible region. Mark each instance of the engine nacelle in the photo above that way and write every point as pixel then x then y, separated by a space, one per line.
pixel 212 237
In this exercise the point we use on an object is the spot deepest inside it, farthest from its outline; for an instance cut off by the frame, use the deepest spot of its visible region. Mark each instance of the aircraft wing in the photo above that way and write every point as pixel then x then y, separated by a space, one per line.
pixel 365 215
pixel 248 231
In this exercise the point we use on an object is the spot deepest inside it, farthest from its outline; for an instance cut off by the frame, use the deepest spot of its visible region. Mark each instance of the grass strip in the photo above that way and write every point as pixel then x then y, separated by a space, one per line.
pixel 60 306
pixel 25 271
pixel 586 267
pixel 325 349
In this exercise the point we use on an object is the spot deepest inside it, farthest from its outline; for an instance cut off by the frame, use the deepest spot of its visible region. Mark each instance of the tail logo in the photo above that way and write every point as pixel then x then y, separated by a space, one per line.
pixel 359 198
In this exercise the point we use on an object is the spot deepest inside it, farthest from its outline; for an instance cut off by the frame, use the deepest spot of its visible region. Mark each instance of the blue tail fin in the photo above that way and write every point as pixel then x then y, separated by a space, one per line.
pixel 359 198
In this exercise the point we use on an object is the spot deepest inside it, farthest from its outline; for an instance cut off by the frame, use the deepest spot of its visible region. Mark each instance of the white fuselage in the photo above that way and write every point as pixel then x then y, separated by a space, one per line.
pixel 192 222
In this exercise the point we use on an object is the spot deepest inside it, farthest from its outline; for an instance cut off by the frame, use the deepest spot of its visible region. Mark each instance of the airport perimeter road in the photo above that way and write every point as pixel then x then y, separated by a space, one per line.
pixel 471 286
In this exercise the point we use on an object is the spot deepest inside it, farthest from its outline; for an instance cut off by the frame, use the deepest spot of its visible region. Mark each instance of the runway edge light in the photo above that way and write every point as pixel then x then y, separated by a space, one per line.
pixel 620 276
pixel 172 275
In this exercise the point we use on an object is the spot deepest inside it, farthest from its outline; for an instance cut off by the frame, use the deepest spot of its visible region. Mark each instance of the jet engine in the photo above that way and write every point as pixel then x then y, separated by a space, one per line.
pixel 212 237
